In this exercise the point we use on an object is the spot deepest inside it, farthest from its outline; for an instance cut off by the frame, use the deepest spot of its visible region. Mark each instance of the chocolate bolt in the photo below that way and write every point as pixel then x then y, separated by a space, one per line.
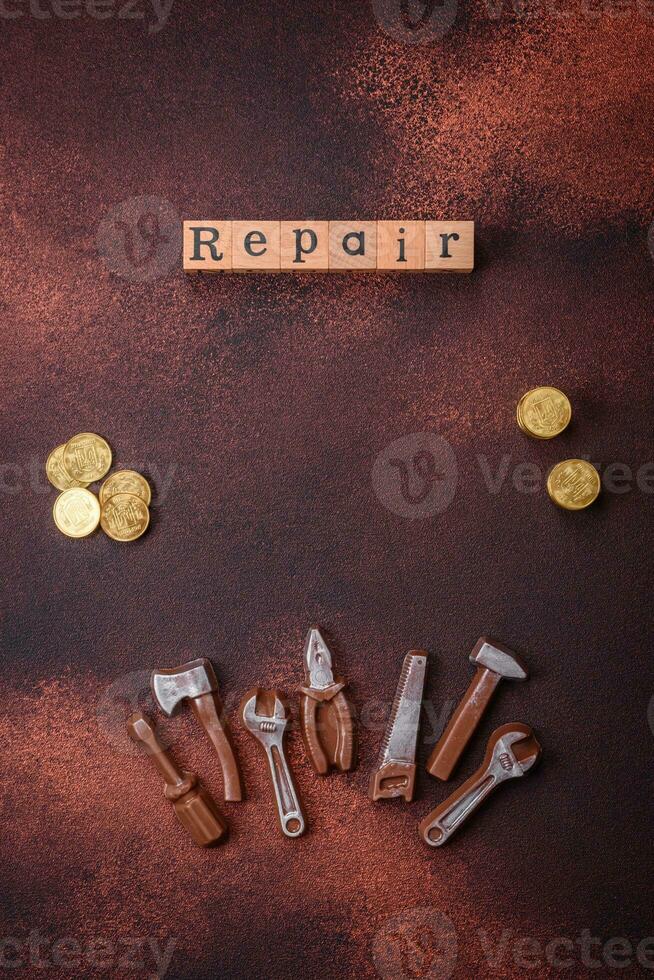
pixel 494 662
pixel 194 807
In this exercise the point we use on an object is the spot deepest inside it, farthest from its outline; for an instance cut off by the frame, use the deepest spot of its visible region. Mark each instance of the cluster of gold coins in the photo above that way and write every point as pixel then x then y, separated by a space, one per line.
pixel 122 507
pixel 543 413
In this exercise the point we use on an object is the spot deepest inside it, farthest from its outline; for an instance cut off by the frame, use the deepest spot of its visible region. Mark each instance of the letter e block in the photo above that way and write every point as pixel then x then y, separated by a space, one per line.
pixel 353 246
pixel 255 246
pixel 449 246
pixel 304 246
pixel 207 246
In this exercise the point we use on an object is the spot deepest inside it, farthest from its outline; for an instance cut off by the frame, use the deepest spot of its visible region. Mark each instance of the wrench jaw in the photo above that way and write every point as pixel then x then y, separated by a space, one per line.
pixel 511 752
pixel 264 716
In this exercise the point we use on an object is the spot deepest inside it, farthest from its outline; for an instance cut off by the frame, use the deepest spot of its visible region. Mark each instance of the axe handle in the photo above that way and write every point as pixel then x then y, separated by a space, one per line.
pixel 449 748
pixel 207 710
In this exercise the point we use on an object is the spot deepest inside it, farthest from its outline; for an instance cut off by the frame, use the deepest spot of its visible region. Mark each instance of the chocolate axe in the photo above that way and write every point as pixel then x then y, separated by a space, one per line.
pixel 494 662
pixel 197 681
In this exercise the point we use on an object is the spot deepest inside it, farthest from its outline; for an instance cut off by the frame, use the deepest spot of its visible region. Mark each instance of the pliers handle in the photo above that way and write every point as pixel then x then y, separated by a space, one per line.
pixel 327 728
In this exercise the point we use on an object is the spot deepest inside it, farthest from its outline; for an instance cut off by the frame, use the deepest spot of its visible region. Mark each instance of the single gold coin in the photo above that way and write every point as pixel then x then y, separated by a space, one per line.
pixel 574 484
pixel 126 481
pixel 87 457
pixel 76 512
pixel 56 471
pixel 543 412
pixel 125 517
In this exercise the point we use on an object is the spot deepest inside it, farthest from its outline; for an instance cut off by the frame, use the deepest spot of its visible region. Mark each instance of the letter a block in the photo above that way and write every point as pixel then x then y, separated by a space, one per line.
pixel 401 246
pixel 304 246
pixel 255 246
pixel 449 246
pixel 353 246
pixel 207 246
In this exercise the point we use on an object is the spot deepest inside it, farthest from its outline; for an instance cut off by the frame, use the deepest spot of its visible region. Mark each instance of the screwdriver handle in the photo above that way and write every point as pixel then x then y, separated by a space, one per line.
pixel 449 748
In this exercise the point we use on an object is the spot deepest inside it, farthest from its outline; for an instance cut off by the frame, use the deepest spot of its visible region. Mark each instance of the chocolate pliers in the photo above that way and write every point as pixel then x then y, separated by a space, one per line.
pixel 325 715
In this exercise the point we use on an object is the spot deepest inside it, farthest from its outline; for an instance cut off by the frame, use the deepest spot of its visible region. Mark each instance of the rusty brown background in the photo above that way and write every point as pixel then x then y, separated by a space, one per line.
pixel 258 406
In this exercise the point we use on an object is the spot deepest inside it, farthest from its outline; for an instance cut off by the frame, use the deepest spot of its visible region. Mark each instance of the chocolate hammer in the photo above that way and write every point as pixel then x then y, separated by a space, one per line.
pixel 194 807
pixel 197 681
pixel 494 662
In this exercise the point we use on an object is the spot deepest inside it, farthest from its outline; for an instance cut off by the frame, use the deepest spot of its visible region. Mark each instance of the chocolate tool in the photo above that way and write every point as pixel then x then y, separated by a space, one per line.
pixel 197 681
pixel 512 751
pixel 494 662
pixel 396 767
pixel 194 807
pixel 264 716
pixel 325 715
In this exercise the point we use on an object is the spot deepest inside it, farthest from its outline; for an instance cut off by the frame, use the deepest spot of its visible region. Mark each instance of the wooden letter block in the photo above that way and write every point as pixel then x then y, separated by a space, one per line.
pixel 449 246
pixel 255 246
pixel 304 246
pixel 401 245
pixel 207 246
pixel 353 246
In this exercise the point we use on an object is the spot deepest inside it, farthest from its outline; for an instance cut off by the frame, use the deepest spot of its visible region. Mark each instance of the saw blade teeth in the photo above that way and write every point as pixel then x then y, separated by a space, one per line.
pixel 400 691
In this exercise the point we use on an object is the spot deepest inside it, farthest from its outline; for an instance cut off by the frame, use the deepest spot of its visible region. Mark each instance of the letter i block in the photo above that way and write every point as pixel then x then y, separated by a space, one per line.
pixel 449 246
pixel 255 246
pixel 304 246
pixel 207 246
pixel 353 246
pixel 401 246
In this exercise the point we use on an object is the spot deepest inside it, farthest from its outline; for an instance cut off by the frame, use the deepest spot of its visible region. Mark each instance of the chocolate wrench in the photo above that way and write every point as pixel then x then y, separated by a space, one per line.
pixel 269 729
pixel 511 752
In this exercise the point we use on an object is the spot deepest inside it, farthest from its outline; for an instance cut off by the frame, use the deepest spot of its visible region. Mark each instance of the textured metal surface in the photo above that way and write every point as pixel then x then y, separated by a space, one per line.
pixel 401 735
pixel 257 405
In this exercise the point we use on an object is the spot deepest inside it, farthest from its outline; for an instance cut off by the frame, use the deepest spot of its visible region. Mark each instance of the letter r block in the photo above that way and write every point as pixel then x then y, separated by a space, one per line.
pixel 353 246
pixel 255 246
pixel 207 246
pixel 449 246
pixel 304 246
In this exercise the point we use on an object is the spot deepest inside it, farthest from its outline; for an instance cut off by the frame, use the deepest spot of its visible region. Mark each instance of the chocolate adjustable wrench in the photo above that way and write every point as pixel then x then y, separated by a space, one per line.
pixel 264 716
pixel 325 715
pixel 511 752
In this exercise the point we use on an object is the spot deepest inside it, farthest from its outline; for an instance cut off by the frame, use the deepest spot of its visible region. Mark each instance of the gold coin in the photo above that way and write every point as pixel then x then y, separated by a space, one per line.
pixel 125 517
pixel 56 471
pixel 87 457
pixel 126 481
pixel 573 484
pixel 76 512
pixel 543 412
